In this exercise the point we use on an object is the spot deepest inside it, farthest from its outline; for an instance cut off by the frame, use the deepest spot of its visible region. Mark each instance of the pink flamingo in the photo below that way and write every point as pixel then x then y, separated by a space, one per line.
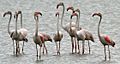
pixel 88 35
pixel 58 36
pixel 82 34
pixel 23 32
pixel 104 39
pixel 67 26
pixel 40 38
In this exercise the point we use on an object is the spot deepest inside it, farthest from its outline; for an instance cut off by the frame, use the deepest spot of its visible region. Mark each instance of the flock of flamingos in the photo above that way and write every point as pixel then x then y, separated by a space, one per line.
pixel 76 33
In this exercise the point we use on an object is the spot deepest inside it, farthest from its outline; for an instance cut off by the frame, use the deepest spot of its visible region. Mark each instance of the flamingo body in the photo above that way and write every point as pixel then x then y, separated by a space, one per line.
pixel 58 36
pixel 106 40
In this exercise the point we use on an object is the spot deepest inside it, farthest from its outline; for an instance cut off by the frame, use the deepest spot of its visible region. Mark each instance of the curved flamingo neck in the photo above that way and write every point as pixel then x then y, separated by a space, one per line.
pixel 16 23
pixel 9 23
pixel 99 27
pixel 36 31
pixel 62 16
pixel 78 21
pixel 58 24
pixel 21 20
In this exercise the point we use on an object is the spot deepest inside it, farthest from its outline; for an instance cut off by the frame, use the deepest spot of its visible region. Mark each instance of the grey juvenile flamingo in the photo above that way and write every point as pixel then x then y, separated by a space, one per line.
pixel 67 26
pixel 12 31
pixel 58 36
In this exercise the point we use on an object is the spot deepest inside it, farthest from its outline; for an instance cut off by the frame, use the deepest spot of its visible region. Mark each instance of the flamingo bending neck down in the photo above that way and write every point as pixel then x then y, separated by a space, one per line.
pixel 58 36
pixel 40 38
pixel 104 39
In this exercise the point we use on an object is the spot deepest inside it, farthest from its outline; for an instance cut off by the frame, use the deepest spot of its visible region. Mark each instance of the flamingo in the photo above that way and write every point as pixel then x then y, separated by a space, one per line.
pixel 40 38
pixel 82 34
pixel 67 26
pixel 89 35
pixel 58 36
pixel 104 39
pixel 12 31
pixel 23 31
pixel 14 34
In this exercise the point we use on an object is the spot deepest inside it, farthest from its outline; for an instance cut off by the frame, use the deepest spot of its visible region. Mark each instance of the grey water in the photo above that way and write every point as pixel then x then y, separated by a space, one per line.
pixel 110 25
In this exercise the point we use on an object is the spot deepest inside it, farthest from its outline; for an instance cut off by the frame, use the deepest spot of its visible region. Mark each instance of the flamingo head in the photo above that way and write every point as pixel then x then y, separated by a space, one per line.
pixel 37 13
pixel 73 14
pixel 98 14
pixel 113 43
pixel 8 12
pixel 70 8
pixel 19 12
pixel 49 39
pixel 77 10
pixel 16 15
pixel 57 14
pixel 60 4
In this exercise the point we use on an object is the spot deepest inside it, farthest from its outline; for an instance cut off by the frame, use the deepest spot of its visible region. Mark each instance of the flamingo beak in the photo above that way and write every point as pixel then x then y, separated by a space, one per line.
pixel 50 40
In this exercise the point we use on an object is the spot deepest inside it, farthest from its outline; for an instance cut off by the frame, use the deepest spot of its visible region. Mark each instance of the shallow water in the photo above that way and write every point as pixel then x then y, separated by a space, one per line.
pixel 110 10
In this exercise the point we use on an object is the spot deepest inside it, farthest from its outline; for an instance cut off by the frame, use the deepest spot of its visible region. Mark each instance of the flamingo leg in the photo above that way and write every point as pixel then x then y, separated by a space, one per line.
pixel 45 48
pixel 83 47
pixel 23 47
pixel 105 51
pixel 59 48
pixel 109 52
pixel 16 48
pixel 40 53
pixel 89 46
pixel 13 48
pixel 75 45
pixel 72 44
pixel 56 47
pixel 37 51
pixel 78 47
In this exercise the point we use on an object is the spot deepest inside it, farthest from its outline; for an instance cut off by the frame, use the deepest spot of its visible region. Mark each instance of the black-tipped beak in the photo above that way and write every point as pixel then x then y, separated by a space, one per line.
pixel 14 16
pixel 113 44
pixel 71 16
pixel 4 14
pixel 93 15
pixel 50 40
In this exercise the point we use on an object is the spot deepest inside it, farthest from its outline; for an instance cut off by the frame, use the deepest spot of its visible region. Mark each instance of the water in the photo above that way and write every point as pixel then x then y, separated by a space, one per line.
pixel 110 10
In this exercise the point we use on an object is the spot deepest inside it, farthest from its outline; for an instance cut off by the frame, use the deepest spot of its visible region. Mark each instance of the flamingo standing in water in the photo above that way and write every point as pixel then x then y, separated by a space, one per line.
pixel 67 26
pixel 104 39
pixel 82 34
pixel 12 31
pixel 23 31
pixel 58 36
pixel 40 38
pixel 88 35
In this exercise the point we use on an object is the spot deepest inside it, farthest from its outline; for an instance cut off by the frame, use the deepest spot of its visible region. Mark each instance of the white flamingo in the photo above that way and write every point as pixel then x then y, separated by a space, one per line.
pixel 23 31
pixel 89 35
pixel 82 34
